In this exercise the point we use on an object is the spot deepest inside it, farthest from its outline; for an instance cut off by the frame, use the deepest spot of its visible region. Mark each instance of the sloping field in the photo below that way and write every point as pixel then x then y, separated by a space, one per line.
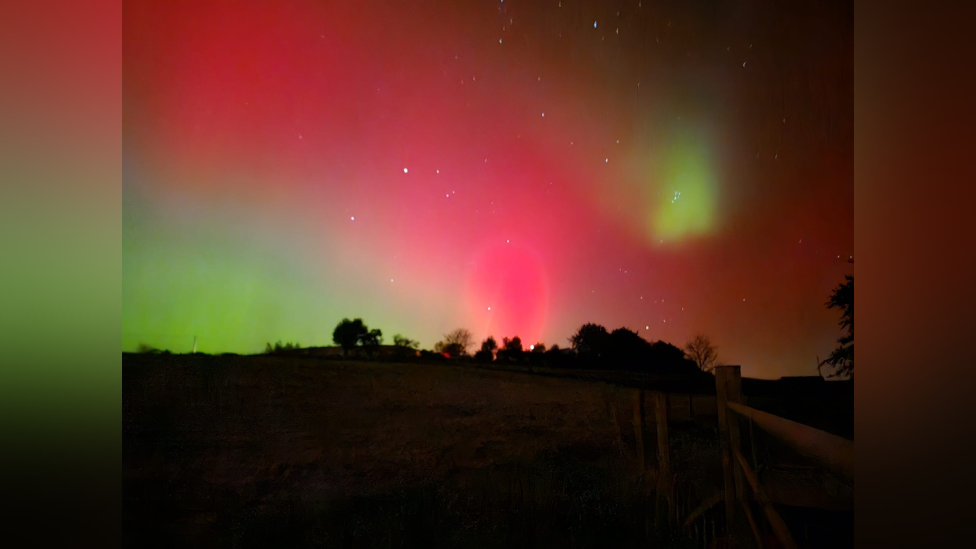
pixel 247 451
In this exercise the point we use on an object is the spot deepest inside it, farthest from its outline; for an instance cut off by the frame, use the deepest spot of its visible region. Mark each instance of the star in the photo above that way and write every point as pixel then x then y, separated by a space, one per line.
pixel 499 40
pixel 606 161
pixel 489 308
pixel 744 64
pixel 543 115
pixel 352 218
pixel 594 24
pixel 405 170
pixel 438 171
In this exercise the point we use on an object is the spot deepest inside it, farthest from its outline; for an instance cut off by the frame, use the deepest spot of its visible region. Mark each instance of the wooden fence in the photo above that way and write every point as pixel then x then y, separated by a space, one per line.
pixel 833 453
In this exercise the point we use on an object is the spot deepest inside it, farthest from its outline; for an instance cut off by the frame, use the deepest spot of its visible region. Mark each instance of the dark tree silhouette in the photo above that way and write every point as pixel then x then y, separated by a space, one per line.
pixel 559 358
pixel 487 351
pixel 701 351
pixel 280 348
pixel 842 359
pixel 455 344
pixel 539 348
pixel 371 341
pixel 405 346
pixel 627 350
pixel 348 332
pixel 511 350
pixel 513 345
pixel 405 342
pixel 590 341
pixel 666 358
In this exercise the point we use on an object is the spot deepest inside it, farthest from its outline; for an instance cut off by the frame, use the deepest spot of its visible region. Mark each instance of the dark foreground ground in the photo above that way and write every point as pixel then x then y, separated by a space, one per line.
pixel 273 452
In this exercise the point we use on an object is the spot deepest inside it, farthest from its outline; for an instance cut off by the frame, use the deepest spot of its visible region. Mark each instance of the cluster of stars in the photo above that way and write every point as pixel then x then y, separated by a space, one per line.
pixel 677 194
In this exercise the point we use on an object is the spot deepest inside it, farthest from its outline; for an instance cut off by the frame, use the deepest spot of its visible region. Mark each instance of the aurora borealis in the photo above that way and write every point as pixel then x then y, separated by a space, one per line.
pixel 512 167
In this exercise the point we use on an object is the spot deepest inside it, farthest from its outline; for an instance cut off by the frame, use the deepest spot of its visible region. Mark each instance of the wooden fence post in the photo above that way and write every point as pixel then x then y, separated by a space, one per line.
pixel 663 443
pixel 639 427
pixel 663 450
pixel 727 388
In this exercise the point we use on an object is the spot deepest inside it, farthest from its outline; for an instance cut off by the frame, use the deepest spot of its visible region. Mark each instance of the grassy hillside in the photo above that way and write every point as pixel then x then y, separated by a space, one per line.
pixel 246 451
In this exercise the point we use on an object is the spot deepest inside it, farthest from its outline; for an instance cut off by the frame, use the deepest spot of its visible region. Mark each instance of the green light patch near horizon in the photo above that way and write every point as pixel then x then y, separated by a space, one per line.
pixel 230 297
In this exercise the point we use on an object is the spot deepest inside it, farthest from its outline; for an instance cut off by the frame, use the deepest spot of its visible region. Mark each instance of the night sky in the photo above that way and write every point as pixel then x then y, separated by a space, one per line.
pixel 512 167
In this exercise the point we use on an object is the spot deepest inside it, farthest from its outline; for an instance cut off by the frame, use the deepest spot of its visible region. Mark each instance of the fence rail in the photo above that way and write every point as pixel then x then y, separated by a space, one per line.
pixel 833 453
